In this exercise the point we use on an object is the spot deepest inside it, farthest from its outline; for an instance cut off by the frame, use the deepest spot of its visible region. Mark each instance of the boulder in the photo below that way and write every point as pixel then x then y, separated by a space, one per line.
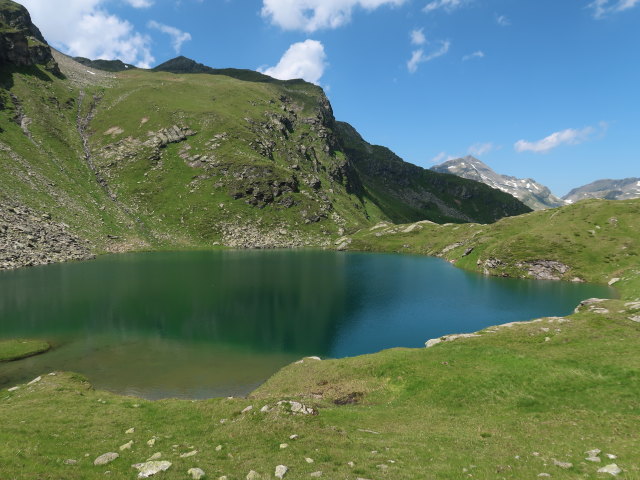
pixel 106 458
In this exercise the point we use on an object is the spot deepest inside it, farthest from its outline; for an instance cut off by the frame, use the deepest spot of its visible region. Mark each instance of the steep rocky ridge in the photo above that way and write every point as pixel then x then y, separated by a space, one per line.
pixel 408 193
pixel 527 190
pixel 624 189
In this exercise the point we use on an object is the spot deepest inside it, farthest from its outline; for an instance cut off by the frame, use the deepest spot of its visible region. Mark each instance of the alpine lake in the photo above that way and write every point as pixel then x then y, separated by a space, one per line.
pixel 210 324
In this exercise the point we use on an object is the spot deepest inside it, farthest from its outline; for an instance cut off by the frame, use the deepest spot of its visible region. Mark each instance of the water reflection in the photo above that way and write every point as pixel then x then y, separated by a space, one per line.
pixel 203 324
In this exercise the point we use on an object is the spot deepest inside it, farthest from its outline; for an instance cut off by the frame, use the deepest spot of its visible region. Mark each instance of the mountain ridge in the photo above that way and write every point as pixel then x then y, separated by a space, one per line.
pixel 608 189
pixel 530 192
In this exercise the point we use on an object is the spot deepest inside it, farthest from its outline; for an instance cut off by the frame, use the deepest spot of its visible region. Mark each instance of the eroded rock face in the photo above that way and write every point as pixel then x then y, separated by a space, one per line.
pixel 28 238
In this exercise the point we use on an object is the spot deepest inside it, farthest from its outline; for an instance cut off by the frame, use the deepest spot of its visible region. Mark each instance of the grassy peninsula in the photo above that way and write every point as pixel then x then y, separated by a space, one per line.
pixel 18 349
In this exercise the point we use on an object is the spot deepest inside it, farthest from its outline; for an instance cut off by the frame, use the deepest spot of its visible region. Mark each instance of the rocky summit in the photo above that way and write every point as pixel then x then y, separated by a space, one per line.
pixel 527 190
pixel 185 155
pixel 625 189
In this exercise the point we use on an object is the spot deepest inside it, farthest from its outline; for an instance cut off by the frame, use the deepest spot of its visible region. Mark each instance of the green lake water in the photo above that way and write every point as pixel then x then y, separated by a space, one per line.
pixel 206 324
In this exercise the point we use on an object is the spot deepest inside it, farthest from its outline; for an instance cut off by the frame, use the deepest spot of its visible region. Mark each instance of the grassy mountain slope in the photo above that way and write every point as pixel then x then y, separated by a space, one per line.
pixel 142 159
pixel 186 156
pixel 514 402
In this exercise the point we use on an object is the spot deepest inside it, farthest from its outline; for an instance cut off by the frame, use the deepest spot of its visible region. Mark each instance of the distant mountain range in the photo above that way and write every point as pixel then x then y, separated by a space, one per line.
pixel 534 194
pixel 624 189
pixel 528 191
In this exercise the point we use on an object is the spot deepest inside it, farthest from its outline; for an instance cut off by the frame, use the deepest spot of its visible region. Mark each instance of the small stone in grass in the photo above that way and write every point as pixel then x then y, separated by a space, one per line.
pixel 613 469
pixel 562 464
pixel 196 473
pixel 284 445
pixel 148 469
pixel 70 461
pixel 248 409
pixel 127 446
pixel 315 474
pixel 281 471
pixel 189 454
pixel 130 431
pixel 308 460
pixel 293 437
pixel 218 448
pixel 155 456
pixel 253 475
pixel 105 458
pixel 151 442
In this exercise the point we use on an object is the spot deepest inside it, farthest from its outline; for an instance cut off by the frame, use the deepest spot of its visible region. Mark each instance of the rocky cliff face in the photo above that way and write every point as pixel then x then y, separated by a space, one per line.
pixel 625 189
pixel 528 191
pixel 21 43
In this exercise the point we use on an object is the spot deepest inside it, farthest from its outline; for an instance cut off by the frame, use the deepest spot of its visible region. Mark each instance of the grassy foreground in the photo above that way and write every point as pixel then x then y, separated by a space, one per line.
pixel 17 349
pixel 515 402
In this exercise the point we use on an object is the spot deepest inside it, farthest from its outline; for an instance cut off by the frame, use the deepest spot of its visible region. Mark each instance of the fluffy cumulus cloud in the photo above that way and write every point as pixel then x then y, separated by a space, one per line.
pixel 570 136
pixel 85 28
pixel 420 56
pixel 446 5
pixel 471 56
pixel 602 8
pixel 178 37
pixel 306 60
pixel 312 15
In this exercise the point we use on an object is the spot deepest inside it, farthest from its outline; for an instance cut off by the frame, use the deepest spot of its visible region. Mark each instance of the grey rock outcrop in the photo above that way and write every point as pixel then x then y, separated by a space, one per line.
pixel 21 43
pixel 544 269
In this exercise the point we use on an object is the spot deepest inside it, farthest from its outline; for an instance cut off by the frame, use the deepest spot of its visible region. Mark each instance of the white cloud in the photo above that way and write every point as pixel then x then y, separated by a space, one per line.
pixel 570 136
pixel 478 54
pixel 305 60
pixel 84 28
pixel 503 20
pixel 417 37
pixel 178 37
pixel 312 15
pixel 419 56
pixel 479 149
pixel 442 157
pixel 140 3
pixel 447 5
pixel 602 8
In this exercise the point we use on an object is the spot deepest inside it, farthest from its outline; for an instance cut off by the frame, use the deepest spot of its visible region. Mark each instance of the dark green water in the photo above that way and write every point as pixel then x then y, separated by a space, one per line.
pixel 204 324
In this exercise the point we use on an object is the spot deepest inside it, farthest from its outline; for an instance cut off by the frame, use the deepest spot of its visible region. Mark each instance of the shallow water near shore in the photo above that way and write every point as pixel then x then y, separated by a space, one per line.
pixel 207 324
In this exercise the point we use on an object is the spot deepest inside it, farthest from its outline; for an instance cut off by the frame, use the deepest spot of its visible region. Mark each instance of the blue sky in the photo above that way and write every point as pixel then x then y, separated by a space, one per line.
pixel 547 89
